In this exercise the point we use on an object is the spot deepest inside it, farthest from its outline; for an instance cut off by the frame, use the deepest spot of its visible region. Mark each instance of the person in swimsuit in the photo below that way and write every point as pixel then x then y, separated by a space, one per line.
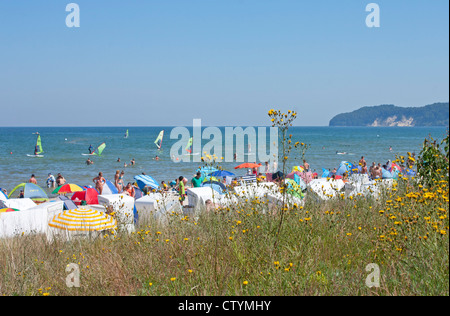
pixel 99 182
pixel 60 180
pixel 121 185
pixel 129 190
pixel 116 180
pixel 306 165
pixel 32 179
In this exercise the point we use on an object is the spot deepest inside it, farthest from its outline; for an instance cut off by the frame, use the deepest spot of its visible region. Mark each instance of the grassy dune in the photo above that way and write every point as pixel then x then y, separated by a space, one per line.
pixel 322 249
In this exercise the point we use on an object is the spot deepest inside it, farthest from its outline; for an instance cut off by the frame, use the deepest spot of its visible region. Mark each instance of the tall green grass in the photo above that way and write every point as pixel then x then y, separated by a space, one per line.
pixel 323 248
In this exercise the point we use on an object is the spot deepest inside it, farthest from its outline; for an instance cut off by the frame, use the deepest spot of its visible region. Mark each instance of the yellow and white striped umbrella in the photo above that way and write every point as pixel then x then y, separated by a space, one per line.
pixel 83 219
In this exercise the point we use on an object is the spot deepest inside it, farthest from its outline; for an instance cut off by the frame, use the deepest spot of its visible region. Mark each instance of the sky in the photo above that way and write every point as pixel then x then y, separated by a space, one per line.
pixel 227 62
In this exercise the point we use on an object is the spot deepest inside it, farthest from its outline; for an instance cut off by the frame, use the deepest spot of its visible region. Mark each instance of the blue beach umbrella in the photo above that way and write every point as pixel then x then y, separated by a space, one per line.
pixel 326 173
pixel 109 188
pixel 221 173
pixel 145 180
pixel 206 170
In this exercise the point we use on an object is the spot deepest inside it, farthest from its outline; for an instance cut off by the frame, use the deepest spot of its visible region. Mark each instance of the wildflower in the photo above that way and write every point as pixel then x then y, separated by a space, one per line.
pixel 245 282
pixel 173 279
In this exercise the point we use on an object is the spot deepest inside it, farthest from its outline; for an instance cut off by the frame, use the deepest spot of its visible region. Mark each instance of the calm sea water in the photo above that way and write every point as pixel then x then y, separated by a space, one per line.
pixel 63 147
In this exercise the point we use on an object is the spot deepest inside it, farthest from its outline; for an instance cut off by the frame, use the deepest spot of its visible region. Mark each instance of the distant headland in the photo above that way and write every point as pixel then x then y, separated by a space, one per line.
pixel 436 114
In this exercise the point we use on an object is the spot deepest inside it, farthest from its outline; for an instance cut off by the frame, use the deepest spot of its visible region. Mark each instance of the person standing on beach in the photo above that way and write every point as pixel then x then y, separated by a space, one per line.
pixel 99 182
pixel 116 180
pixel 266 168
pixel 32 179
pixel 364 168
pixel 197 180
pixel 120 182
pixel 305 165
pixel 181 189
pixel 362 161
pixel 372 169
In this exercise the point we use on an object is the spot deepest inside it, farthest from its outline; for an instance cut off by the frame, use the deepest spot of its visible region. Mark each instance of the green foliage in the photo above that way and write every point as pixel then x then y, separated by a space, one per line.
pixel 436 114
pixel 432 164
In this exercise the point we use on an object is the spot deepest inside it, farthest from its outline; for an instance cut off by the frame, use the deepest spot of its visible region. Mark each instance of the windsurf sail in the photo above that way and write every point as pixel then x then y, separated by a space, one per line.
pixel 189 146
pixel 38 149
pixel 99 150
pixel 126 134
pixel 159 139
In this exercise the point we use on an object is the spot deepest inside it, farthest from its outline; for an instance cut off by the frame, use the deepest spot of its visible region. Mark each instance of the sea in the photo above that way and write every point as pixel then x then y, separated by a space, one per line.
pixel 63 148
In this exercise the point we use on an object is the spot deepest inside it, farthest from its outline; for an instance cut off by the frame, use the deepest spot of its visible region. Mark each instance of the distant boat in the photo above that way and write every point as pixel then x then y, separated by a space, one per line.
pixel 37 148
pixel 98 151
pixel 126 134
pixel 159 139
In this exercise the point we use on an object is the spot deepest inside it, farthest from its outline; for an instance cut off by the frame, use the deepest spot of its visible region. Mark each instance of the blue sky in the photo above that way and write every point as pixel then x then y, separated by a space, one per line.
pixel 153 62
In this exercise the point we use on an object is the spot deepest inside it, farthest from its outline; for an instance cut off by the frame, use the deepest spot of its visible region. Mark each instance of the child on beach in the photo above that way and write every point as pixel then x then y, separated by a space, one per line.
pixel 181 189
pixel 51 181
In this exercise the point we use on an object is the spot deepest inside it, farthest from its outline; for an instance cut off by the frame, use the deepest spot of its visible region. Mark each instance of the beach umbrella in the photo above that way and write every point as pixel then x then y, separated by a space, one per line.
pixel 292 174
pixel 248 165
pixel 221 173
pixel 206 170
pixel 67 188
pixel 8 209
pixel 326 173
pixel 83 220
pixel 210 179
pixel 277 175
pixel 298 168
pixel 395 166
pixel 3 196
pixel 31 191
pixel 109 188
pixel 145 180
pixel 90 196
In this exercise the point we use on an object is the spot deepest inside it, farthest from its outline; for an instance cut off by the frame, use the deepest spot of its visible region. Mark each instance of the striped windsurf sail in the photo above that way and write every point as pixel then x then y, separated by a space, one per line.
pixel 99 150
pixel 189 146
pixel 159 139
